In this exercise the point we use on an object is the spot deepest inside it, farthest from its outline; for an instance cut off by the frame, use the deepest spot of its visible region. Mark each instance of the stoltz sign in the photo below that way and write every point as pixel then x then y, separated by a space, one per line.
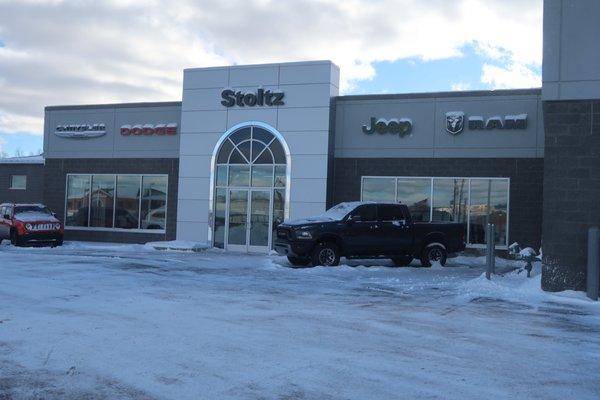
pixel 149 129
pixel 80 131
pixel 401 126
pixel 262 97
pixel 455 122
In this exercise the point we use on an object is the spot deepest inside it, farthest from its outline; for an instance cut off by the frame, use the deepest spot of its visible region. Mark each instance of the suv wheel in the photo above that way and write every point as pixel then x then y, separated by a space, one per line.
pixel 298 261
pixel 402 261
pixel 326 254
pixel 433 253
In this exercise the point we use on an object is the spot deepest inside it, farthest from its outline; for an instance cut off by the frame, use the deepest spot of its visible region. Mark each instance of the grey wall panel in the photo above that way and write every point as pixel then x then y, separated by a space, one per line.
pixel 252 75
pixel 429 137
pixel 156 145
pixel 571 65
pixel 34 187
pixel 310 72
pixel 112 144
pixel 208 77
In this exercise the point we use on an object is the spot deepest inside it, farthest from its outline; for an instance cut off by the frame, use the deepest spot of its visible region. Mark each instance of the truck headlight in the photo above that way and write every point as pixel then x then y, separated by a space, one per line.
pixel 303 235
pixel 56 226
pixel 28 227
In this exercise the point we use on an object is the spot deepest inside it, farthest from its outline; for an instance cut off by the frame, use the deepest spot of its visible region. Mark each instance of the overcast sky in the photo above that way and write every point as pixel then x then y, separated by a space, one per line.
pixel 79 52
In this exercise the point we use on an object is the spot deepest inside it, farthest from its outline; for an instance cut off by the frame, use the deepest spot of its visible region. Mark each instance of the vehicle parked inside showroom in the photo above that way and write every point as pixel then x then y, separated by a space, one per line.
pixel 368 230
pixel 30 224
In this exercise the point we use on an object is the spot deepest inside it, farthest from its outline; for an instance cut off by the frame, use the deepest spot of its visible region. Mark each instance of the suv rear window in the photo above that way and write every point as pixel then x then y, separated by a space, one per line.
pixel 390 212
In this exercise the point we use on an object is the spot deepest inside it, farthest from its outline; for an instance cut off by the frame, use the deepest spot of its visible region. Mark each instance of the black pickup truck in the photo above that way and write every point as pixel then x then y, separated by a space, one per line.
pixel 368 230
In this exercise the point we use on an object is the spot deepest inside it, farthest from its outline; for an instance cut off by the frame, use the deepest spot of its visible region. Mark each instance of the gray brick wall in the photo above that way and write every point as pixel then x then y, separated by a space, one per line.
pixel 571 190
pixel 55 181
pixel 526 176
pixel 35 183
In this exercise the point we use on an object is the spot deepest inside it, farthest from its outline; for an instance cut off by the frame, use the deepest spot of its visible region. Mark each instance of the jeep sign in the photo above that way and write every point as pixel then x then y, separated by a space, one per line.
pixel 401 127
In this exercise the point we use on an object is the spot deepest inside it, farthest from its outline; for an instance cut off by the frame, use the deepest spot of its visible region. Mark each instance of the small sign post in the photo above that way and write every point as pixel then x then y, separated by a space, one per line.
pixel 491 256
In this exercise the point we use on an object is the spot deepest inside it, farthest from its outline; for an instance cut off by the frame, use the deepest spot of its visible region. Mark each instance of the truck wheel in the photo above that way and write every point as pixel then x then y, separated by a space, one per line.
pixel 298 261
pixel 326 254
pixel 14 239
pixel 432 253
pixel 402 261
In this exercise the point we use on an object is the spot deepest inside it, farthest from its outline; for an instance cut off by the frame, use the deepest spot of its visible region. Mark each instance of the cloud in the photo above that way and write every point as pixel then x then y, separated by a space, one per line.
pixel 74 52
pixel 510 76
pixel 460 86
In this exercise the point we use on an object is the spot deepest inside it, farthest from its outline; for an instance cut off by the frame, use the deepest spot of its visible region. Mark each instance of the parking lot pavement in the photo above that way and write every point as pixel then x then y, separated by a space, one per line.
pixel 125 321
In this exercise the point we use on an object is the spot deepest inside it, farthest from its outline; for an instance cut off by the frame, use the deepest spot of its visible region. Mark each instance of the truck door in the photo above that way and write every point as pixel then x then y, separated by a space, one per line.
pixel 394 232
pixel 359 236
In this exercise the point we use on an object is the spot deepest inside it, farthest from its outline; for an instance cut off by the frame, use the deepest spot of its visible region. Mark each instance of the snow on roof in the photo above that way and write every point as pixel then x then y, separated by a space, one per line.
pixel 39 159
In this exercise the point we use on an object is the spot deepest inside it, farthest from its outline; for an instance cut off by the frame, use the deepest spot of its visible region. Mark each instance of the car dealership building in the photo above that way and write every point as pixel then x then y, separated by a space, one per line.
pixel 250 146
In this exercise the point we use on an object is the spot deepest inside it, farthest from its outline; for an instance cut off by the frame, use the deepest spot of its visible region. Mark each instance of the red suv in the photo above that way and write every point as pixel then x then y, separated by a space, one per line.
pixel 30 224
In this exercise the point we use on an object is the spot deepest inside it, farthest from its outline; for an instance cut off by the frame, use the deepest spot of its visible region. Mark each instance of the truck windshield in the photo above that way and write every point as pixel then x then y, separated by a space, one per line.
pixel 337 213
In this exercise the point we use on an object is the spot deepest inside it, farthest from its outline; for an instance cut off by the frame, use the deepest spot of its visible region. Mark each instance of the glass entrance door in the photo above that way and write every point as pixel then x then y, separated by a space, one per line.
pixel 260 221
pixel 237 220
pixel 249 219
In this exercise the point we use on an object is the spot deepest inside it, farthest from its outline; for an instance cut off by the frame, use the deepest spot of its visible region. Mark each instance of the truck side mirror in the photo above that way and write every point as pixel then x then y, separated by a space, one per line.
pixel 6 216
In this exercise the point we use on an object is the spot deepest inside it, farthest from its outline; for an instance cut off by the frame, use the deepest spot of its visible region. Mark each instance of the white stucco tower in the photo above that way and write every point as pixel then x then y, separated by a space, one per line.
pixel 288 101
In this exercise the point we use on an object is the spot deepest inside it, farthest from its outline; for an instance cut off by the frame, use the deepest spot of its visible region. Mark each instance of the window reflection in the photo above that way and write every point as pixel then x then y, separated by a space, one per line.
pixel 450 198
pixel 416 193
pixel 96 198
pixel 379 189
pixel 489 204
pixel 127 208
pixel 154 202
pixel 475 201
pixel 78 200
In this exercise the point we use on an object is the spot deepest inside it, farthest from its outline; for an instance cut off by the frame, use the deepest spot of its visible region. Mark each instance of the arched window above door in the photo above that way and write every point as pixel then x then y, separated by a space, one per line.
pixel 251 145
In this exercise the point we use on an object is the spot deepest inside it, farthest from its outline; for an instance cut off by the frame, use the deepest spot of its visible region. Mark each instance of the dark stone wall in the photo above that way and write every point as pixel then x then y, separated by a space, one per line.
pixel 526 176
pixel 571 190
pixel 35 183
pixel 55 174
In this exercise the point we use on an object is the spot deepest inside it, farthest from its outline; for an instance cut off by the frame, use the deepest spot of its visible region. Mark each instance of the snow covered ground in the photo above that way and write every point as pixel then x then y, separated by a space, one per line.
pixel 129 322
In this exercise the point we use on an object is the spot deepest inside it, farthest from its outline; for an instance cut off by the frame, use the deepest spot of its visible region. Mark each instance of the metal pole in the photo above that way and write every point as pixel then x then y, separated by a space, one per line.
pixel 593 263
pixel 490 256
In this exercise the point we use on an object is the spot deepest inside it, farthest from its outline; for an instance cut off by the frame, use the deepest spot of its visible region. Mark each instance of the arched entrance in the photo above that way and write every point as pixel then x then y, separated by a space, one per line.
pixel 250 187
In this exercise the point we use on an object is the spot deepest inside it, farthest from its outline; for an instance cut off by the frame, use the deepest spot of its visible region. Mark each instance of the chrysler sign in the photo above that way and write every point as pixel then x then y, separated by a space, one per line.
pixel 261 97
pixel 80 131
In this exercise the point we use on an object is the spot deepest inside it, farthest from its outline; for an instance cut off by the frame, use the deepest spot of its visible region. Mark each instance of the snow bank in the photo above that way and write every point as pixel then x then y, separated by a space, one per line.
pixel 179 245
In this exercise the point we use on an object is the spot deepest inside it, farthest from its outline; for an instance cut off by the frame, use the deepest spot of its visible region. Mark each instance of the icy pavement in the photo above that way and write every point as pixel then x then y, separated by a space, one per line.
pixel 129 322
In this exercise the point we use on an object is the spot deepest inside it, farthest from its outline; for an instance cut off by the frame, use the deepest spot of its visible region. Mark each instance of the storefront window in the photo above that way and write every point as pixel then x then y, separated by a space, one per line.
pixel 116 201
pixel 489 204
pixel 78 200
pixel 127 210
pixel 416 193
pixel 450 197
pixel 154 202
pixel 379 189
pixel 474 201
pixel 103 197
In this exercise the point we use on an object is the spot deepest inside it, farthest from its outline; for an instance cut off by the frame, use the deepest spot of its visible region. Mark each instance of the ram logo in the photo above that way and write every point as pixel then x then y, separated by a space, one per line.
pixel 455 122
